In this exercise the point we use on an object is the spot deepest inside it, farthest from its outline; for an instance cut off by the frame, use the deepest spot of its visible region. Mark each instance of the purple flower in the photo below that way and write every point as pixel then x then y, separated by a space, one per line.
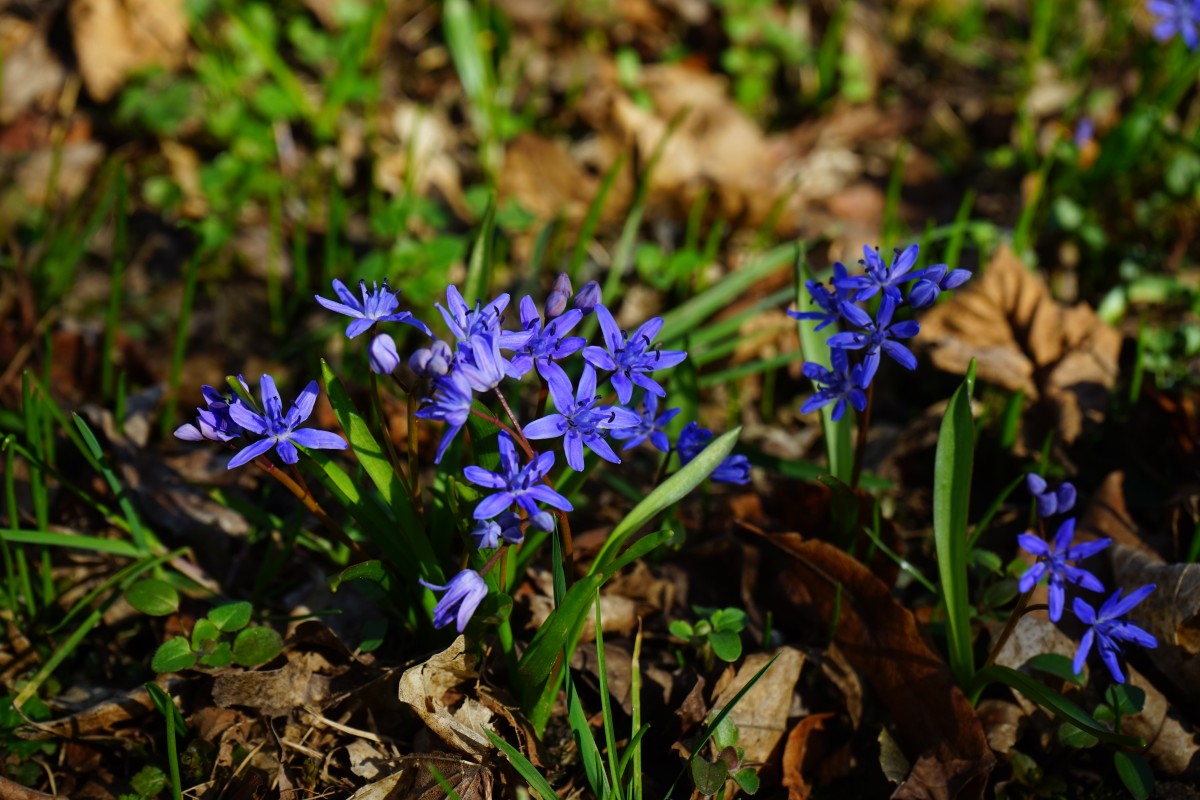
pixel 630 358
pixel 451 403
pixel 544 343
pixel 378 305
pixel 463 594
pixel 880 335
pixel 692 441
pixel 1085 132
pixel 382 354
pixel 1107 632
pixel 588 298
pixel 839 385
pixel 1049 503
pixel 1176 17
pixel 432 361
pixel 1052 560
pixel 280 429
pixel 880 276
pixel 579 420
pixel 490 532
pixel 560 295
pixel 830 302
pixel 518 484
pixel 480 362
pixel 213 423
pixel 466 322
pixel 650 427
pixel 932 281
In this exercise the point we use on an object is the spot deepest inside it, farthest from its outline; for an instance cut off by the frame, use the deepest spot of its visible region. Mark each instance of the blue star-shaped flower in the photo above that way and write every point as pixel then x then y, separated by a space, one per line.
pixel 377 305
pixel 451 403
pixel 1053 560
pixel 213 423
pixel 578 419
pixel 280 429
pixel 630 358
pixel 841 385
pixel 518 484
pixel 692 441
pixel 465 322
pixel 1050 502
pixel 545 342
pixel 880 335
pixel 463 594
pixel 932 281
pixel 1176 17
pixel 490 532
pixel 830 302
pixel 650 427
pixel 1107 632
pixel 881 277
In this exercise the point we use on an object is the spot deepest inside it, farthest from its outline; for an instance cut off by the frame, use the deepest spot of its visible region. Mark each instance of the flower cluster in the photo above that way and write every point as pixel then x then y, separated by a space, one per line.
pixel 1173 17
pixel 844 382
pixel 1057 561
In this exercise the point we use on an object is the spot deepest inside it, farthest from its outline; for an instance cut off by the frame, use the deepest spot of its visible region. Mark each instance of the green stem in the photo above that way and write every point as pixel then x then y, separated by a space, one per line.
pixel 385 434
pixel 860 444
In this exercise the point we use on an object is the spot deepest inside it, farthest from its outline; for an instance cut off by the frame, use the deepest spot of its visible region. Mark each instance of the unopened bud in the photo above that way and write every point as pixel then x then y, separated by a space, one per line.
pixel 588 297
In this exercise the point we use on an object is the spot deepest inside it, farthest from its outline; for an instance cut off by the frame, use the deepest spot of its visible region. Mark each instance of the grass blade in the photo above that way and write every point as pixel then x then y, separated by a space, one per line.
pixel 523 767
pixel 140 539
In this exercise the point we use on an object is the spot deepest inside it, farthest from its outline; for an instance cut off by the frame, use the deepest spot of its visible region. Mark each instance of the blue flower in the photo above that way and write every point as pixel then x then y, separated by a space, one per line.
pixel 692 441
pixel 463 594
pixel 213 423
pixel 377 305
pixel 839 385
pixel 451 403
pixel 880 335
pixel 880 276
pixel 1107 632
pixel 518 484
pixel 432 361
pixel 465 322
pixel 1049 503
pixel 1176 17
pixel 830 302
pixel 1052 560
pixel 547 342
pixel 480 362
pixel 280 429
pixel 630 358
pixel 588 298
pixel 560 295
pixel 579 420
pixel 934 280
pixel 382 355
pixel 650 427
pixel 490 532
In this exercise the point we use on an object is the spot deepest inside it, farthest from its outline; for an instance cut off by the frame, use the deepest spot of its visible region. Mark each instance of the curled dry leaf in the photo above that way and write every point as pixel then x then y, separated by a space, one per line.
pixel 1063 358
pixel 304 682
pixel 802 753
pixel 424 688
pixel 113 38
pixel 415 780
pixel 935 722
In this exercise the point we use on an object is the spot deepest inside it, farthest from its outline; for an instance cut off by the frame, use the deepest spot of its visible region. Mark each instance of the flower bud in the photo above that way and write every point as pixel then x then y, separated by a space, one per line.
pixel 382 354
pixel 429 362
pixel 560 293
pixel 588 297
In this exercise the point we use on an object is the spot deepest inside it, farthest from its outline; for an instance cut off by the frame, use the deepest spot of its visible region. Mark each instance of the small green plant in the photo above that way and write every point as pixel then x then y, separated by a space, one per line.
pixel 718 633
pixel 1119 700
pixel 709 777
pixel 220 638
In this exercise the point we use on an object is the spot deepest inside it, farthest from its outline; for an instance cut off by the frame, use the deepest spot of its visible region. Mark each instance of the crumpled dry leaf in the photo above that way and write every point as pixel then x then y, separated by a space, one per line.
pixel 761 715
pixel 303 682
pixel 114 38
pixel 1173 747
pixel 800 754
pixel 1064 358
pixel 934 720
pixel 31 69
pixel 415 781
pixel 425 686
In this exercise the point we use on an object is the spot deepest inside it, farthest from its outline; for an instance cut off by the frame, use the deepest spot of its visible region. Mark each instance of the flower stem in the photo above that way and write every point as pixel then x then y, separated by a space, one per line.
pixel 414 464
pixel 521 440
pixel 1018 611
pixel 860 444
pixel 300 490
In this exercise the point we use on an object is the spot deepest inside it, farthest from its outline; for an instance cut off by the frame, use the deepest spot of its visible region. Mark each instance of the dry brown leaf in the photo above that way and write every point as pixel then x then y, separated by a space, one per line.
pixel 761 715
pixel 301 683
pixel 879 637
pixel 415 781
pixel 424 688
pixel 1064 358
pixel 799 754
pixel 114 38
pixel 30 68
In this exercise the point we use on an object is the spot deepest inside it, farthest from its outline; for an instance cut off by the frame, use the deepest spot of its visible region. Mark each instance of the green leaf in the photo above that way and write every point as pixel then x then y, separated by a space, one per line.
pixel 1074 736
pixel 1125 699
pixel 1135 773
pixel 589 753
pixel 479 268
pixel 708 777
pixel 953 463
pixel 1052 701
pixel 747 778
pixel 173 655
pixel 205 632
pixel 1058 665
pixel 725 733
pixel 373 571
pixel 254 646
pixel 230 617
pixel 154 597
pixel 726 644
pixel 681 629
pixel 221 656
pixel 523 767
pixel 149 781
pixel 729 619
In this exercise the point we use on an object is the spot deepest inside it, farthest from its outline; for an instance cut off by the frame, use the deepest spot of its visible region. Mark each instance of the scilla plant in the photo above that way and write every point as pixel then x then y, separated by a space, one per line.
pixel 527 410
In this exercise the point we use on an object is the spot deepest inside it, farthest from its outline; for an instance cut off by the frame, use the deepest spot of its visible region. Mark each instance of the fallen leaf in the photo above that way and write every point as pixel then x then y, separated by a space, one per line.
pixel 934 720
pixel 31 70
pixel 761 715
pixel 461 724
pixel 303 682
pixel 415 781
pixel 800 754
pixel 114 38
pixel 1063 358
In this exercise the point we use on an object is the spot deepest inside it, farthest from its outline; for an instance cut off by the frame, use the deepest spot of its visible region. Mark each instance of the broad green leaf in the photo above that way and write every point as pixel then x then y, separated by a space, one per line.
pixel 231 616
pixel 747 778
pixel 523 767
pixel 1058 665
pixel 173 655
pixel 405 542
pixel 681 629
pixel 708 777
pixel 729 619
pixel 221 656
pixel 149 781
pixel 953 463
pixel 203 635
pixel 1135 773
pixel 1124 698
pixel 154 597
pixel 1073 736
pixel 254 646
pixel 726 644
pixel 373 571
pixel 1052 701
